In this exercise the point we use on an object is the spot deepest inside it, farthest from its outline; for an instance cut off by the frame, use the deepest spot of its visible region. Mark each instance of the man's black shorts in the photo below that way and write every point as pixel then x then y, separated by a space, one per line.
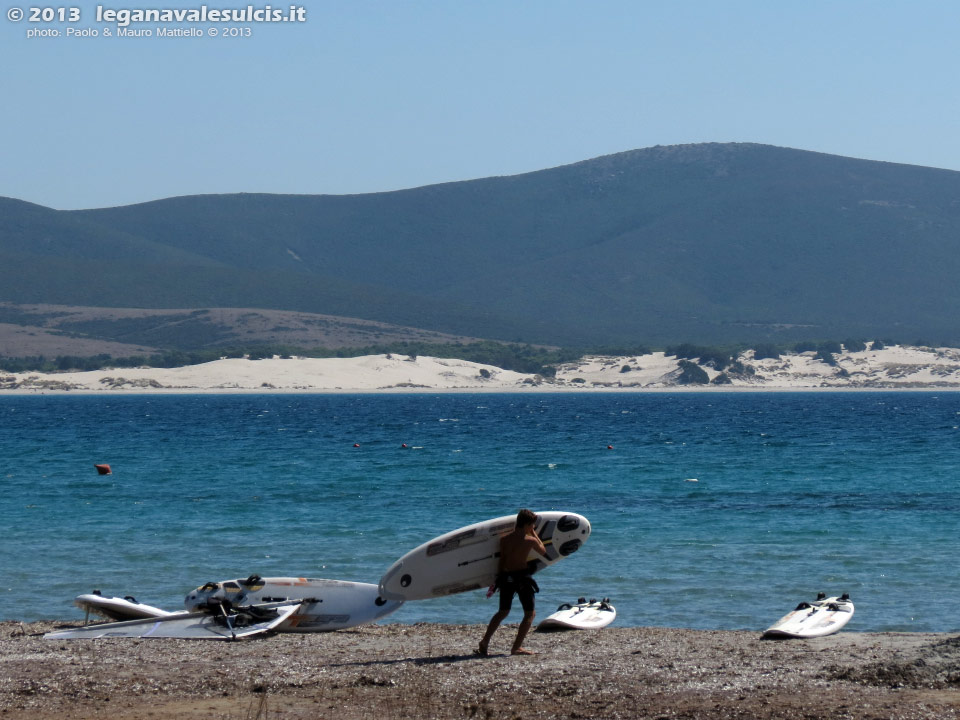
pixel 519 584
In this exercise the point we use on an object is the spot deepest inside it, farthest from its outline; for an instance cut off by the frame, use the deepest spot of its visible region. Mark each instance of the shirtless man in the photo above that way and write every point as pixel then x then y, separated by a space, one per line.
pixel 513 578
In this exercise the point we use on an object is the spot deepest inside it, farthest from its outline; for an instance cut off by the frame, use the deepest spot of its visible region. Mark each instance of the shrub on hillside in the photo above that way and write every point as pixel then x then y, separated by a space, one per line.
pixel 717 358
pixel 765 351
pixel 738 368
pixel 692 374
pixel 825 356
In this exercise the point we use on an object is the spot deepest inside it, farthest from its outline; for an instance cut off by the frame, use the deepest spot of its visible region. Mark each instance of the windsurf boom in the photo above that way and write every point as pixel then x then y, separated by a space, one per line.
pixel 220 622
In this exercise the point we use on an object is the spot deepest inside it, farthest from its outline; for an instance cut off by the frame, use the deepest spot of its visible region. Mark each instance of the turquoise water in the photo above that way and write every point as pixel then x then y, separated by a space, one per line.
pixel 794 493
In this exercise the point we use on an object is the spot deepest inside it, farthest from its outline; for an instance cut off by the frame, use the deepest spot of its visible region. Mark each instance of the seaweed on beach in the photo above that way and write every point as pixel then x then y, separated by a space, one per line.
pixel 936 667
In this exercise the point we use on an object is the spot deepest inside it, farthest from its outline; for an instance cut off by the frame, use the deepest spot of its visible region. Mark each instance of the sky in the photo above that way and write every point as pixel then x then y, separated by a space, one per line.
pixel 374 95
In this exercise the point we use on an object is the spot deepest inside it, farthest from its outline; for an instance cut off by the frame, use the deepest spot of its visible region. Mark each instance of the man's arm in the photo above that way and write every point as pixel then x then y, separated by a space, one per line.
pixel 536 544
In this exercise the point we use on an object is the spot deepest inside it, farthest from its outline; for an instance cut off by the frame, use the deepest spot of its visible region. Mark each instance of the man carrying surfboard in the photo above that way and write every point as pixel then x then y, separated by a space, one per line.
pixel 514 578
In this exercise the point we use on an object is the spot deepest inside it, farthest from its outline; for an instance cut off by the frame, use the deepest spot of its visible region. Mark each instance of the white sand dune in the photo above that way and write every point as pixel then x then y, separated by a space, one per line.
pixel 893 367
pixel 371 372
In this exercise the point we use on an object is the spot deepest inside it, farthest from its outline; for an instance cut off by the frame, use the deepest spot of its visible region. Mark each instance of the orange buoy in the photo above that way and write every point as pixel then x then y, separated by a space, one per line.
pixel 103 469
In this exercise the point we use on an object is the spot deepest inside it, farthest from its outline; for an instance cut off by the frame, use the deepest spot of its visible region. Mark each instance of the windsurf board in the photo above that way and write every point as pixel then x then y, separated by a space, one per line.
pixel 819 618
pixel 115 608
pixel 324 604
pixel 468 558
pixel 584 615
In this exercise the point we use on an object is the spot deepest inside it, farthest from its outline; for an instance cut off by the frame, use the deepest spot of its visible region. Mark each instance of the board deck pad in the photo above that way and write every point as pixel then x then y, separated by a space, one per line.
pixel 468 558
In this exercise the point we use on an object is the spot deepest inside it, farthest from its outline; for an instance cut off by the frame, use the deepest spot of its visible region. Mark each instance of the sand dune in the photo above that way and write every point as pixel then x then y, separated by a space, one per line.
pixel 892 367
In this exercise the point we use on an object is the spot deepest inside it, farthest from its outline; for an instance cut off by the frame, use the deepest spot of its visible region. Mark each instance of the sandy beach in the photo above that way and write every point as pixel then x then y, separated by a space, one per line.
pixel 429 671
pixel 894 367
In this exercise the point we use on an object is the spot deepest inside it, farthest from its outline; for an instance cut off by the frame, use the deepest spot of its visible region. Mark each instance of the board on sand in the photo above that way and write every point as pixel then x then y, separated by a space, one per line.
pixel 824 616
pixel 115 608
pixel 583 615
pixel 468 558
pixel 227 625
pixel 324 604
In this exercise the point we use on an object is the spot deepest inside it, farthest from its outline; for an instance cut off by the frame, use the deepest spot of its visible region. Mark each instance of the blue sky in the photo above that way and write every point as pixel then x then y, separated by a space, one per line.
pixel 366 95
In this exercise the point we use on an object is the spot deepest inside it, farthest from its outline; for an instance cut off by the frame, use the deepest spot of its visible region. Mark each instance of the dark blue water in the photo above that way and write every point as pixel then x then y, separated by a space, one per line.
pixel 710 510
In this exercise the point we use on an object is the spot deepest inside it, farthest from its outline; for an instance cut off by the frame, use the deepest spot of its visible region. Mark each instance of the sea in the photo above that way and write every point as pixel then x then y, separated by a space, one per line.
pixel 709 510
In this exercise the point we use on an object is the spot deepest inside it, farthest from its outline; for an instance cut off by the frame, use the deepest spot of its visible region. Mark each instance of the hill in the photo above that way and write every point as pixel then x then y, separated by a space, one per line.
pixel 59 330
pixel 714 243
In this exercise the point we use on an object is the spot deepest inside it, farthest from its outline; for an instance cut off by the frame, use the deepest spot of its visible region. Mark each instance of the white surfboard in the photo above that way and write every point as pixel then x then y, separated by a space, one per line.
pixel 467 559
pixel 198 625
pixel 335 604
pixel 824 616
pixel 583 615
pixel 115 608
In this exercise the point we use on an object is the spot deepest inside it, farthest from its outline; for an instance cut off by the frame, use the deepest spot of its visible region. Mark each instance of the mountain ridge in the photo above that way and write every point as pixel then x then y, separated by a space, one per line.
pixel 718 242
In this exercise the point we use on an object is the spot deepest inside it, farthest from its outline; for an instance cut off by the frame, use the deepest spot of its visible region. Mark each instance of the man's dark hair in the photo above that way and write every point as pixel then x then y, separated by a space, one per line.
pixel 526 517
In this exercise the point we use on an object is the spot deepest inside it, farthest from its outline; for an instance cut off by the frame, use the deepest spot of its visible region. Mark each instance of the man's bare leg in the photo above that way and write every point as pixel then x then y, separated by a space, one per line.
pixel 491 629
pixel 522 633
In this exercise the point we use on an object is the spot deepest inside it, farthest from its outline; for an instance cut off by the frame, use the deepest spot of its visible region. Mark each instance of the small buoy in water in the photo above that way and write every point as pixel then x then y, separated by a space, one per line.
pixel 103 469
pixel 404 445
pixel 356 444
pixel 609 447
